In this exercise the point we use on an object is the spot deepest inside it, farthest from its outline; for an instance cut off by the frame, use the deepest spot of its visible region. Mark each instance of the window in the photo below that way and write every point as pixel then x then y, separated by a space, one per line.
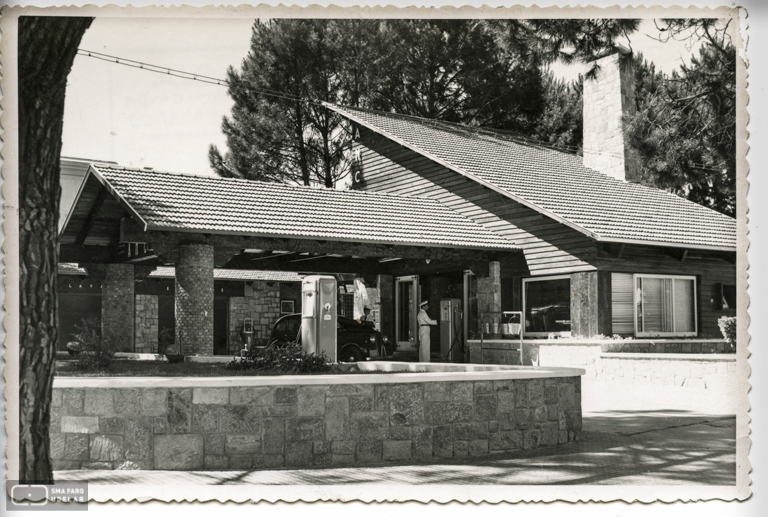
pixel 664 305
pixel 622 303
pixel 547 306
pixel 347 305
pixel 727 296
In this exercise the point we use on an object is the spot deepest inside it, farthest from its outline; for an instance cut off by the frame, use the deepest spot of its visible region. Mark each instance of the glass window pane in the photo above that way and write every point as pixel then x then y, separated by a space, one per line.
pixel 684 315
pixel 657 301
pixel 548 306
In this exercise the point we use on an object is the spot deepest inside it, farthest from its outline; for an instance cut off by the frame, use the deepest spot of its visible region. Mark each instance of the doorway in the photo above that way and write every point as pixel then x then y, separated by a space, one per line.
pixel 406 308
pixel 220 325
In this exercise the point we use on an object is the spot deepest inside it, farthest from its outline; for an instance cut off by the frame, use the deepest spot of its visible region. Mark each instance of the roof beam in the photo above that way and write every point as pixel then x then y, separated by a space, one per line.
pixel 92 213
pixel 131 232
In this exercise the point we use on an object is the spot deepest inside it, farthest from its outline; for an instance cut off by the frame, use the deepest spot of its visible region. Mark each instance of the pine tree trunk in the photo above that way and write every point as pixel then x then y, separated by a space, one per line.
pixel 47 49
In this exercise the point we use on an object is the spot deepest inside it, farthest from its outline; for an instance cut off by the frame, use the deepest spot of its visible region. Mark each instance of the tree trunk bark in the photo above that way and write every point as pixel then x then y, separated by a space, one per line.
pixel 47 49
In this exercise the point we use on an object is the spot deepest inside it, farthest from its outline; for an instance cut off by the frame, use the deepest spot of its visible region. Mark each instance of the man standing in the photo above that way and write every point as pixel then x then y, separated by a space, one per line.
pixel 424 340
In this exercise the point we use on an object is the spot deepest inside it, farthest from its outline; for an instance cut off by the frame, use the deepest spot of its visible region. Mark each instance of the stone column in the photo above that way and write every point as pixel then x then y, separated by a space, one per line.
pixel 117 314
pixel 489 296
pixel 194 299
pixel 591 303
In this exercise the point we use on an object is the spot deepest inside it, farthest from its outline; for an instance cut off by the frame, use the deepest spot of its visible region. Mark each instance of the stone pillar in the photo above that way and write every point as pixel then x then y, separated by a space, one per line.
pixel 194 299
pixel 591 303
pixel 489 296
pixel 607 98
pixel 147 323
pixel 117 296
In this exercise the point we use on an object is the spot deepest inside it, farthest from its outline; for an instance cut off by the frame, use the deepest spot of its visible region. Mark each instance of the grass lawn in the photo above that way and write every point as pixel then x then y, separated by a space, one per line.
pixel 131 368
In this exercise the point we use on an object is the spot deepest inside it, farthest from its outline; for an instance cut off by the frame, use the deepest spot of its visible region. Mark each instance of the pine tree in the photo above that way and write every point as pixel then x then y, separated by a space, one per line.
pixel 47 49
pixel 685 128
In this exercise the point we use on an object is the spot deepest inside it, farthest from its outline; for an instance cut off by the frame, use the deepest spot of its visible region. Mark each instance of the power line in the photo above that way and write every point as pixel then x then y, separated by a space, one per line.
pixel 498 133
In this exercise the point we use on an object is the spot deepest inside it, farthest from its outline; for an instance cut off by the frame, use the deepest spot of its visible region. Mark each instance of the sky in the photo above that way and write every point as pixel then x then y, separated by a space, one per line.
pixel 139 118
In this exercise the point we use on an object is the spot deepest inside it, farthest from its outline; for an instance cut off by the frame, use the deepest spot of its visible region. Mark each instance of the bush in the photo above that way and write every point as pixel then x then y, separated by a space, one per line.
pixel 727 326
pixel 166 342
pixel 92 351
pixel 290 358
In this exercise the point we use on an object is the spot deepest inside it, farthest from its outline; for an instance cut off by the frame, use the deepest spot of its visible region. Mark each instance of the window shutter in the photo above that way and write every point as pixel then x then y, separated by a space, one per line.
pixel 622 301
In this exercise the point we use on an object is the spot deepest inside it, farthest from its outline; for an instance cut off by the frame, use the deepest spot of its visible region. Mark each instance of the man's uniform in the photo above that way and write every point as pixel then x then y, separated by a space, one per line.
pixel 424 339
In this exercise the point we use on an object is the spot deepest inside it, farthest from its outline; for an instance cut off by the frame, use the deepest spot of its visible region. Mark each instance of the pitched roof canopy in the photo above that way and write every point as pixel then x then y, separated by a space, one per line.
pixel 557 184
pixel 245 275
pixel 174 202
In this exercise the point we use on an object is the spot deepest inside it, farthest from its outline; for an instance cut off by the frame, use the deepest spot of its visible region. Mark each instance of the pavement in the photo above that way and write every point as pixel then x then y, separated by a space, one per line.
pixel 632 435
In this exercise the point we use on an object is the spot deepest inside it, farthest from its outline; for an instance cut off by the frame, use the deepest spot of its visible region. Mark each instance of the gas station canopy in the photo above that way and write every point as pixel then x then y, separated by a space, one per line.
pixel 140 216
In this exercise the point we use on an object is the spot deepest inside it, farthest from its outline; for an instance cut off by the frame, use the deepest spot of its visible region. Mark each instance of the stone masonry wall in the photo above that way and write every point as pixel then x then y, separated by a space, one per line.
pixel 690 372
pixel 117 306
pixel 194 299
pixel 234 428
pixel 261 303
pixel 146 323
pixel 663 364
pixel 489 296
pixel 606 99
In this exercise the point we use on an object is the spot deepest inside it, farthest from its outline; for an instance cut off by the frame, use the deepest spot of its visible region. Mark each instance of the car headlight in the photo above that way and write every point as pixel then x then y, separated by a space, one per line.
pixel 384 338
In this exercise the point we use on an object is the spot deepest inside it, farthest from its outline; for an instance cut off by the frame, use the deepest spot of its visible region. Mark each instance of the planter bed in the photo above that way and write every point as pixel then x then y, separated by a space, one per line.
pixel 242 422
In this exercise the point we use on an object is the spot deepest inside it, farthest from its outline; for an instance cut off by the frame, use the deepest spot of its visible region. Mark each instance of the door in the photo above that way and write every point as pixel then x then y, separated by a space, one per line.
pixel 220 325
pixel 406 309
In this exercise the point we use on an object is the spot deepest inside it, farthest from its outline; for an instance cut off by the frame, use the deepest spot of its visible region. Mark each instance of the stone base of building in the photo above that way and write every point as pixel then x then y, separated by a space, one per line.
pixel 293 422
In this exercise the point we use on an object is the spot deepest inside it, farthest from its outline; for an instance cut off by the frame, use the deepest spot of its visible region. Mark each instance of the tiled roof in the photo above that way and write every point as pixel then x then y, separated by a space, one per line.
pixel 558 184
pixel 216 205
pixel 235 274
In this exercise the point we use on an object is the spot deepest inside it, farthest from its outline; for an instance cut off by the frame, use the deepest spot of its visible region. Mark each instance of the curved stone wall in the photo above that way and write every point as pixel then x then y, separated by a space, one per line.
pixel 239 423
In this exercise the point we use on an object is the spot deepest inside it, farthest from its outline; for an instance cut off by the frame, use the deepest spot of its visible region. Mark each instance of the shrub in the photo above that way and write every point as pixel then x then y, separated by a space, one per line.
pixel 290 358
pixel 93 351
pixel 727 326
pixel 166 342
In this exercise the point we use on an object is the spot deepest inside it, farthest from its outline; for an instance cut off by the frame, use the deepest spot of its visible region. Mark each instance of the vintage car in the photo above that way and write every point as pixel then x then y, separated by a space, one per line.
pixel 356 340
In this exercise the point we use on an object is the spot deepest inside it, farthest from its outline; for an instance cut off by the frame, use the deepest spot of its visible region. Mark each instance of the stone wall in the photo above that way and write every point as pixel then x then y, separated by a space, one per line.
pixel 606 100
pixel 272 426
pixel 261 303
pixel 117 306
pixel 146 323
pixel 692 371
pixel 489 297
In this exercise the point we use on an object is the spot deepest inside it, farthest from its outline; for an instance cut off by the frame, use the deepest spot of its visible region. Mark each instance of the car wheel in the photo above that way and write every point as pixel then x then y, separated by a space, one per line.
pixel 350 354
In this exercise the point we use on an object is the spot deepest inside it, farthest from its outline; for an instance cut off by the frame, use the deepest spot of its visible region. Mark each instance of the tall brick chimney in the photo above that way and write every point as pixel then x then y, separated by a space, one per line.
pixel 607 98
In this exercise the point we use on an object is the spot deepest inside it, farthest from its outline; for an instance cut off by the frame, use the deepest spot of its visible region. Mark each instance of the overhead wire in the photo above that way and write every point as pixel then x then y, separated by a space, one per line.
pixel 499 133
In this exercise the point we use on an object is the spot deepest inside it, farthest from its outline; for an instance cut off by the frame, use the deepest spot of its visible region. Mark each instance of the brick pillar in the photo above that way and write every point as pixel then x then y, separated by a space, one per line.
pixel 489 296
pixel 591 303
pixel 117 306
pixel 194 299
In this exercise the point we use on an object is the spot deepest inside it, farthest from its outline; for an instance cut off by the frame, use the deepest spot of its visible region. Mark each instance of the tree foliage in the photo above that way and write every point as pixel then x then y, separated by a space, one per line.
pixel 685 128
pixel 475 72
pixel 487 73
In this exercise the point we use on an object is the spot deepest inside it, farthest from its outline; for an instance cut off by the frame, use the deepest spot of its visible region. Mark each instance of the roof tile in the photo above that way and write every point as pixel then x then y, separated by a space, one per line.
pixel 180 202
pixel 558 183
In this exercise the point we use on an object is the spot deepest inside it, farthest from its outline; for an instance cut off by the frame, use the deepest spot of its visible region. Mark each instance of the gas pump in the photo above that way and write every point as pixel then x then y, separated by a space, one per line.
pixel 451 346
pixel 318 315
pixel 246 334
